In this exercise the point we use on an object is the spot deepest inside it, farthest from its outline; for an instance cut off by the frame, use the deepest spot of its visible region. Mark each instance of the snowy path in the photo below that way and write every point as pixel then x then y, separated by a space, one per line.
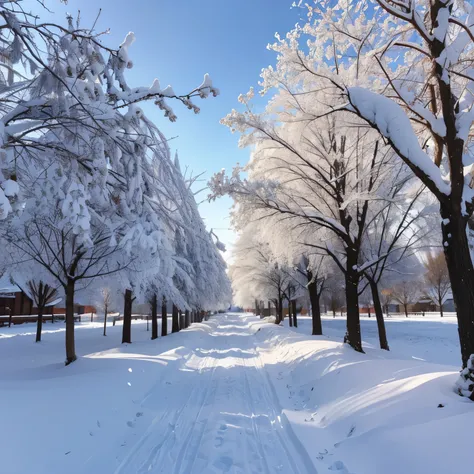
pixel 219 413
pixel 232 395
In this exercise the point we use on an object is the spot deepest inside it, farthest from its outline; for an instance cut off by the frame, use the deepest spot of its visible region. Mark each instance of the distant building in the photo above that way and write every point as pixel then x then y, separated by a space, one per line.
pixel 15 302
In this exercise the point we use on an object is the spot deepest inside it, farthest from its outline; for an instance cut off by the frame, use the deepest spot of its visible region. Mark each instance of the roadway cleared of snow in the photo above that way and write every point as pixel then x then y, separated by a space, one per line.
pixel 231 395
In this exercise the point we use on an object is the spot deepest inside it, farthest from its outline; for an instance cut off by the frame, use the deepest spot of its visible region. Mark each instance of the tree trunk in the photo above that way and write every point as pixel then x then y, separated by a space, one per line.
pixel 279 317
pixel 379 315
pixel 440 300
pixel 290 318
pixel 105 320
pixel 70 343
pixel 405 306
pixel 181 320
pixel 461 273
pixel 295 317
pixel 164 318
pixel 353 337
pixel 175 314
pixel 315 309
pixel 154 317
pixel 22 302
pixel 187 321
pixel 127 318
pixel 39 324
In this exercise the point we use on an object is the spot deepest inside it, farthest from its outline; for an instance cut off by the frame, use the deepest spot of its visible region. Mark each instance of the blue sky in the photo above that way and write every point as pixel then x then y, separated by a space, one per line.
pixel 177 42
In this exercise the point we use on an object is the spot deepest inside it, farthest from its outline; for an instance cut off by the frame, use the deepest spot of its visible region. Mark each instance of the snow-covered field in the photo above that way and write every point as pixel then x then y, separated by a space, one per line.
pixel 234 395
pixel 432 339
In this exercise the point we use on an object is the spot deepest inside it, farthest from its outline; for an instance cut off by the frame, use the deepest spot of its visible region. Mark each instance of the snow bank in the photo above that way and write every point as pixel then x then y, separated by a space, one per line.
pixel 56 419
pixel 367 413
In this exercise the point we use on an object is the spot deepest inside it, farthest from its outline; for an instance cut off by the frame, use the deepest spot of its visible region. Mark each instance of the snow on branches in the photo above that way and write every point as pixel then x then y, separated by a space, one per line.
pixel 79 83
pixel 465 383
pixel 88 188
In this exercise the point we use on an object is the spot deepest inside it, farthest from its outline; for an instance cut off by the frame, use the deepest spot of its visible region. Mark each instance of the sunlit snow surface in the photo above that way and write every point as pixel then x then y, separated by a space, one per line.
pixel 234 395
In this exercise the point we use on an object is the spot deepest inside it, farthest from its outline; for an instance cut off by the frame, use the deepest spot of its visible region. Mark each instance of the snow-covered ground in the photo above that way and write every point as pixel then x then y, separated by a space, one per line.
pixel 432 339
pixel 233 395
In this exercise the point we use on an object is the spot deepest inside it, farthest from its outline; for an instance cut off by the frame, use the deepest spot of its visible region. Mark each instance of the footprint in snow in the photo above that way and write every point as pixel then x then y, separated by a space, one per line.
pixel 323 454
pixel 339 467
pixel 224 463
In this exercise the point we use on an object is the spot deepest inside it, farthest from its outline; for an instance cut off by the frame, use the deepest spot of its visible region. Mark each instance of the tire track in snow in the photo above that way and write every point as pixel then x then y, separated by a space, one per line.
pixel 230 422
pixel 199 426
pixel 158 441
pixel 202 393
pixel 297 459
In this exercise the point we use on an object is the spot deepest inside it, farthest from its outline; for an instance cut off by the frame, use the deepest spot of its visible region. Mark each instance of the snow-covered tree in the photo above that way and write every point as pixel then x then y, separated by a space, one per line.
pixel 405 68
pixel 256 274
pixel 80 161
pixel 330 180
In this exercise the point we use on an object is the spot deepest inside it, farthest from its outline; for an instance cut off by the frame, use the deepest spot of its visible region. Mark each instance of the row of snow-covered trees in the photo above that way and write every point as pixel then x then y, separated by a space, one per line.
pixel 426 282
pixel 90 196
pixel 366 140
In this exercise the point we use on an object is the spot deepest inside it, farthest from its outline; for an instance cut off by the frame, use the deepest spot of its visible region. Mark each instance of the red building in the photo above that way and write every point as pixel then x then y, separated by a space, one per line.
pixel 15 302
